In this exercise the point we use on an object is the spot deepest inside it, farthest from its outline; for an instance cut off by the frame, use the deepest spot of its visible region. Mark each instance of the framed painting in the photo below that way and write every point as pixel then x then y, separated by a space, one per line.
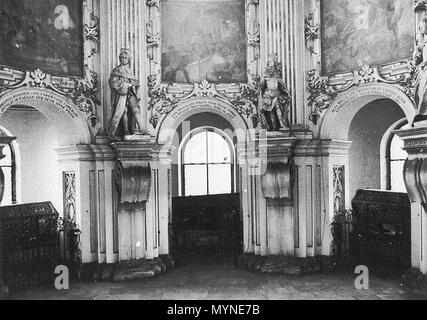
pixel 203 40
pixel 356 33
pixel 45 34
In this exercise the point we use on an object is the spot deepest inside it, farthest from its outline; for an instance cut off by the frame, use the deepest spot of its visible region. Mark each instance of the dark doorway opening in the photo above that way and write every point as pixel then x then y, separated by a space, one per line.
pixel 207 229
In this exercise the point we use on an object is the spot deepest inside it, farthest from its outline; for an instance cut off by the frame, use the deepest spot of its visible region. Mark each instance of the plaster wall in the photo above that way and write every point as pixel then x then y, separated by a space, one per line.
pixel 366 131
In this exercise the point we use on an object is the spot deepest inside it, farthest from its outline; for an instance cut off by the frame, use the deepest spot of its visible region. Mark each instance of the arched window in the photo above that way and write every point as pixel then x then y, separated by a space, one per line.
pixel 393 159
pixel 7 166
pixel 397 160
pixel 207 163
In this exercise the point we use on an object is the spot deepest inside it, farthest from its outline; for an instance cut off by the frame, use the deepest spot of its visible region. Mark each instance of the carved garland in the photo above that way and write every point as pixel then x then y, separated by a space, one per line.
pixel 323 89
pixel 82 91
pixel 164 97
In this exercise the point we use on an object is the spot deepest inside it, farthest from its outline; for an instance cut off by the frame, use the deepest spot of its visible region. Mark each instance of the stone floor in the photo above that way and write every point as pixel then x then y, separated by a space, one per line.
pixel 213 280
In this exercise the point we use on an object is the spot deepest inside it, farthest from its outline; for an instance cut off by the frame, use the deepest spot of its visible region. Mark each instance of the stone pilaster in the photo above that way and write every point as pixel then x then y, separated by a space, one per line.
pixel 322 191
pixel 4 291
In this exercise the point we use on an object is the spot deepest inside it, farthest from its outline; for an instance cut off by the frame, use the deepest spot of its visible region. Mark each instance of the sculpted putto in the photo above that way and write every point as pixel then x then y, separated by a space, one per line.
pixel 274 98
pixel 126 119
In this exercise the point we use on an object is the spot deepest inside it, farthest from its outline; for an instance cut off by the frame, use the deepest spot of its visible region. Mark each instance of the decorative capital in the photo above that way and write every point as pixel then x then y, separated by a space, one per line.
pixel 420 6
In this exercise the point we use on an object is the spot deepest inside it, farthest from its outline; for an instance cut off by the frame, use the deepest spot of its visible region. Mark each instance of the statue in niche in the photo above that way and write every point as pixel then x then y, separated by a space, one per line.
pixel 420 59
pixel 126 120
pixel 274 98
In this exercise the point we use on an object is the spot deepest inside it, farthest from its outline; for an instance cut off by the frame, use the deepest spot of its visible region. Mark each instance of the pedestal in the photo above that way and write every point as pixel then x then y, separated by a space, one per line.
pixel 143 199
pixel 415 176
pixel 276 218
pixel 133 186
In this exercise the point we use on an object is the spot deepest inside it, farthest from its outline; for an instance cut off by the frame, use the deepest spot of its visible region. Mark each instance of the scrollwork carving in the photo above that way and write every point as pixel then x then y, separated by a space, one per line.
pixel 164 97
pixel 322 91
pixel 152 3
pixel 324 88
pixel 92 34
pixel 82 91
pixel 243 97
pixel 311 33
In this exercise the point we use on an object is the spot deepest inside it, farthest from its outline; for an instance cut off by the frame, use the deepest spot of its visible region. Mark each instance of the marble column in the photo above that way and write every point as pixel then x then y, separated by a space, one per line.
pixel 4 291
pixel 415 175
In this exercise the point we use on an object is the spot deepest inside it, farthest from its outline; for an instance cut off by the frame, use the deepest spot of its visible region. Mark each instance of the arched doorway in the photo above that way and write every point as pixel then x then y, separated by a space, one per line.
pixel 367 117
pixel 205 216
pixel 364 116
pixel 205 213
pixel 42 122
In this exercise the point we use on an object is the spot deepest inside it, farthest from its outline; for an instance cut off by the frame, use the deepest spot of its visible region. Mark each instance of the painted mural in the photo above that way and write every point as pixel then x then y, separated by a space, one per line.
pixel 45 34
pixel 365 32
pixel 203 40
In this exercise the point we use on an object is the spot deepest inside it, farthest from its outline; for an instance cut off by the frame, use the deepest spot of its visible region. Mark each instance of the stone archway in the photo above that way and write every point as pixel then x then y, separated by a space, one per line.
pixel 217 112
pixel 188 108
pixel 337 120
pixel 54 107
pixel 54 138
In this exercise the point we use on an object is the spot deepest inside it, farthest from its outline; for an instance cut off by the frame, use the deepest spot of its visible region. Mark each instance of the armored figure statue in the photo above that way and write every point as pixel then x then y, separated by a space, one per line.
pixel 420 59
pixel 274 98
pixel 126 119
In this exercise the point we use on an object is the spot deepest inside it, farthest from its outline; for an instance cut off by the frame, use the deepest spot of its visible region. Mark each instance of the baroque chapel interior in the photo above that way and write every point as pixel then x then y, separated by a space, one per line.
pixel 140 137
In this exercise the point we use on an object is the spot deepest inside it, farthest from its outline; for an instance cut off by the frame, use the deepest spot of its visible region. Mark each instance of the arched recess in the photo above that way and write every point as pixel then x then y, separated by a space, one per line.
pixel 188 108
pixel 337 120
pixel 56 108
pixel 43 121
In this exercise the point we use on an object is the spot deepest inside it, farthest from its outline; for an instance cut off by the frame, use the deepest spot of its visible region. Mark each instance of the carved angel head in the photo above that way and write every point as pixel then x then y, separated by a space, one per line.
pixel 125 57
pixel 274 67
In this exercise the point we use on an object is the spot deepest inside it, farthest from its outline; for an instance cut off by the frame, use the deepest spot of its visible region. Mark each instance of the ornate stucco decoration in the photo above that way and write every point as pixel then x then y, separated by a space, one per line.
pixel 82 91
pixel 92 33
pixel 322 88
pixel 164 97
pixel 311 33
pixel 277 180
pixel 415 171
pixel 420 5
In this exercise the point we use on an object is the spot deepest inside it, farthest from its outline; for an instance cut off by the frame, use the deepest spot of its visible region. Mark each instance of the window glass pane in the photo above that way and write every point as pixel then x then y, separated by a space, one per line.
pixel 195 180
pixel 220 179
pixel 7 197
pixel 195 150
pixel 7 160
pixel 219 150
pixel 396 149
pixel 396 175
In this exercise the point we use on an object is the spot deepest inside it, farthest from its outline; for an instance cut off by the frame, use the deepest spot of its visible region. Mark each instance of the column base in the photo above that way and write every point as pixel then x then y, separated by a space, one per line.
pixel 142 269
pixel 414 282
pixel 287 265
pixel 4 292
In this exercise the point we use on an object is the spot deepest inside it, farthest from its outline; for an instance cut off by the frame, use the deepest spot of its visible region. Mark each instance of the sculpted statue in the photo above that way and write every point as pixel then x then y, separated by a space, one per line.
pixel 420 59
pixel 274 98
pixel 126 119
